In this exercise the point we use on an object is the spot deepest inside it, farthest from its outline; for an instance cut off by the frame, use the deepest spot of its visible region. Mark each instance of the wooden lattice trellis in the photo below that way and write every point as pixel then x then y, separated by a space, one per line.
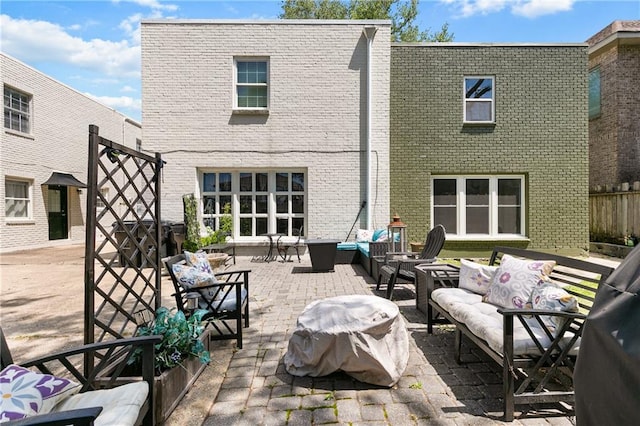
pixel 122 270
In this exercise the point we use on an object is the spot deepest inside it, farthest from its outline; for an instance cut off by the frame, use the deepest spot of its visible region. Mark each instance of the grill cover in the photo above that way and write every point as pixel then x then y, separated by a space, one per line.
pixel 607 375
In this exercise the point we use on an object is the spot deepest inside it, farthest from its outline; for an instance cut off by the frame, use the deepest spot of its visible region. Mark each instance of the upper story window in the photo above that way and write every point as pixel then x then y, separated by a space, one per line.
pixel 594 93
pixel 17 110
pixel 479 105
pixel 17 199
pixel 251 84
pixel 479 206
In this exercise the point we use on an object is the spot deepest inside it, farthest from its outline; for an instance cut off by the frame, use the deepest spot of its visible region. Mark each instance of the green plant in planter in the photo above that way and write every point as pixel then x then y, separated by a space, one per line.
pixel 180 338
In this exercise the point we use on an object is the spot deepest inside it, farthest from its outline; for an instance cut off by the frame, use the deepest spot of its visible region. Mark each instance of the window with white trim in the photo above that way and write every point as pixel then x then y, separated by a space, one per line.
pixel 479 105
pixel 102 199
pixel 18 199
pixel 259 201
pixel 17 110
pixel 251 84
pixel 479 205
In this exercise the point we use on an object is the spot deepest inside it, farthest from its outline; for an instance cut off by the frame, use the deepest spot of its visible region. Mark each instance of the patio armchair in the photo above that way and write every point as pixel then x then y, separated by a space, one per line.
pixel 224 295
pixel 400 265
pixel 53 390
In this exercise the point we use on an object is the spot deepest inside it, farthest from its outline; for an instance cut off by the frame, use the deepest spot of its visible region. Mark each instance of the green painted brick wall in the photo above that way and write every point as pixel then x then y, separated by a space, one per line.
pixel 541 132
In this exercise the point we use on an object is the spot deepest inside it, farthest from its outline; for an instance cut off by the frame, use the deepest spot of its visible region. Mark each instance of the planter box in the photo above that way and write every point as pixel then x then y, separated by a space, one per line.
pixel 172 385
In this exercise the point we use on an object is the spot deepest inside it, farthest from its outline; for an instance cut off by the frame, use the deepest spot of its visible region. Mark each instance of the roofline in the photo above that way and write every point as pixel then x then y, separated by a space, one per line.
pixel 125 117
pixel 481 44
pixel 380 22
pixel 618 37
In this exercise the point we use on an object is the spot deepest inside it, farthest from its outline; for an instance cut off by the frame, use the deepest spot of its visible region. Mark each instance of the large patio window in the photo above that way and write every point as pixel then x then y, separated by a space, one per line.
pixel 479 206
pixel 17 199
pixel 258 201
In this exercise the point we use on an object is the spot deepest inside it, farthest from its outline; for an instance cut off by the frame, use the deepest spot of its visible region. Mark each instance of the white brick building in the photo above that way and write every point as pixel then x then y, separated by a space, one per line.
pixel 271 117
pixel 46 130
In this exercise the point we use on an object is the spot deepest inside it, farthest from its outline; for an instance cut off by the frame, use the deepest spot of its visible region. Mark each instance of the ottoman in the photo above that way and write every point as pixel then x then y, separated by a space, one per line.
pixel 363 336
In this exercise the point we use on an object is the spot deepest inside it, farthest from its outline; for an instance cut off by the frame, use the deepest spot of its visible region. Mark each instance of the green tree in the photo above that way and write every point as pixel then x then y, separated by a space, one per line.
pixel 402 14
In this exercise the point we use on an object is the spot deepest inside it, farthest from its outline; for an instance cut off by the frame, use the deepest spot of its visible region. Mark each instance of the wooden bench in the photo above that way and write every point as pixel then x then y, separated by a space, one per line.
pixel 541 375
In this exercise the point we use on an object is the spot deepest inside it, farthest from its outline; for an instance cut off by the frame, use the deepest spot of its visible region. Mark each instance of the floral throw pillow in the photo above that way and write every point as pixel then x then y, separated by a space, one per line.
pixel 363 235
pixel 515 279
pixel 26 393
pixel 549 296
pixel 476 277
pixel 198 260
pixel 190 278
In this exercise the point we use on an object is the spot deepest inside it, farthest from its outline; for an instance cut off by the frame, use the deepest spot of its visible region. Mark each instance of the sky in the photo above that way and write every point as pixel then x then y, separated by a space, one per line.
pixel 94 46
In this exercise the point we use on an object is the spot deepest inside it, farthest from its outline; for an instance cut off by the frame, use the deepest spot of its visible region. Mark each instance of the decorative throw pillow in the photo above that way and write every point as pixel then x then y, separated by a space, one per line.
pixel 363 235
pixel 476 277
pixel 383 236
pixel 190 278
pixel 379 233
pixel 26 393
pixel 549 296
pixel 198 260
pixel 515 279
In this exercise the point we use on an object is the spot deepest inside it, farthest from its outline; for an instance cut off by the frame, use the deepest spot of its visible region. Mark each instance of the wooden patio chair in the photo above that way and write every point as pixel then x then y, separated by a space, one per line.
pixel 225 296
pixel 400 265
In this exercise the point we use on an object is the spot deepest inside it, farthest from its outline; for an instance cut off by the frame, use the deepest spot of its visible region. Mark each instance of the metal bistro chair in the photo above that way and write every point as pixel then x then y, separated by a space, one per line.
pixel 400 265
pixel 283 248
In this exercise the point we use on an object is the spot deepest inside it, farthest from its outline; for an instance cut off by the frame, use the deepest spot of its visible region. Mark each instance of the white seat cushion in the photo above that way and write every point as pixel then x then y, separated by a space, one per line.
pixel 120 405
pixel 484 321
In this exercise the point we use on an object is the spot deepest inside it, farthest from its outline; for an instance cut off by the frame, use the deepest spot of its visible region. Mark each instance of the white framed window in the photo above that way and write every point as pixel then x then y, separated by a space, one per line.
pixel 263 201
pixel 251 81
pixel 17 110
pixel 479 99
pixel 18 199
pixel 479 206
pixel 102 199
pixel 594 93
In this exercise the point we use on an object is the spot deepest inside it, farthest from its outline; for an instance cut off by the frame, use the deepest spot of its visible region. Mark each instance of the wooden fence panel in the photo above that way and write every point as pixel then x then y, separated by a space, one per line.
pixel 614 214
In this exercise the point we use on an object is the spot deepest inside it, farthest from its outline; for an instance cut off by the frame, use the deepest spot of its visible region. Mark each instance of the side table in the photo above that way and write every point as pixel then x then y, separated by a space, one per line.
pixel 430 276
pixel 323 254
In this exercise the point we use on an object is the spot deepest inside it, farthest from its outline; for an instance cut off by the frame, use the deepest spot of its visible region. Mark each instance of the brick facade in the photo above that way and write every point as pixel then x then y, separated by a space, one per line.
pixel 614 135
pixel 540 132
pixel 60 119
pixel 317 110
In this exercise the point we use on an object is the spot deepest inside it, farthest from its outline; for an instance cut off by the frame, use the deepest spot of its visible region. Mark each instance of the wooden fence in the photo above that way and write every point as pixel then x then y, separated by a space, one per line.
pixel 614 214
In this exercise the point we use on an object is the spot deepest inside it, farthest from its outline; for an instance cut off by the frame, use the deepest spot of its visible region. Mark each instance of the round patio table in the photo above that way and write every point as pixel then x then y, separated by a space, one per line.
pixel 363 336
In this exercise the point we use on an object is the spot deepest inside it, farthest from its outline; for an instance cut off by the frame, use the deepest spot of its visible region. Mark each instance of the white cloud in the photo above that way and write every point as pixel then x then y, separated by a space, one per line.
pixel 128 89
pixel 32 40
pixel 527 8
pixel 535 8
pixel 118 103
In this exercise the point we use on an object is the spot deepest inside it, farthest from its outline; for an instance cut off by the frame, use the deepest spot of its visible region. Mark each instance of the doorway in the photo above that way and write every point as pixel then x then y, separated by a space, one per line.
pixel 58 220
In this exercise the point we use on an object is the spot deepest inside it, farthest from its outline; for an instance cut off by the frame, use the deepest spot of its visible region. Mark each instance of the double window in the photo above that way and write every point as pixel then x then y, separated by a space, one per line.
pixel 479 101
pixel 479 206
pixel 17 110
pixel 251 84
pixel 258 201
pixel 17 199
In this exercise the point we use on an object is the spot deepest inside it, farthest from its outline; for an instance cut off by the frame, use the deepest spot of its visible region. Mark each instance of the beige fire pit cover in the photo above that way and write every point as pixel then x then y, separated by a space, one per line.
pixel 364 336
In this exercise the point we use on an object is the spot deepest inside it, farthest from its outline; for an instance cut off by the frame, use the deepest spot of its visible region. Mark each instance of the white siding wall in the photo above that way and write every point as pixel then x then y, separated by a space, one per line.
pixel 316 120
pixel 58 142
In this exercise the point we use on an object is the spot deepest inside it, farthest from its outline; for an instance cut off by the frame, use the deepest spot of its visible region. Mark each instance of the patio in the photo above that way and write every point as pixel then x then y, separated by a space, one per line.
pixel 42 301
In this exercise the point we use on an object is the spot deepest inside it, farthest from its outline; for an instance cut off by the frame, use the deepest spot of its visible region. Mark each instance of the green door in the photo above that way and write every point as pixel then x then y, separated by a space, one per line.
pixel 58 221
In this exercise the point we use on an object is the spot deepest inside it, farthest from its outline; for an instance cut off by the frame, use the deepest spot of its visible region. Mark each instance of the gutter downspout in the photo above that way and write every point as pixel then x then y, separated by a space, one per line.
pixel 369 32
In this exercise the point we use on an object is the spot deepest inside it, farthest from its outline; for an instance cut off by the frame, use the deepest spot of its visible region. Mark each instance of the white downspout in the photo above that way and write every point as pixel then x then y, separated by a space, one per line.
pixel 369 33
